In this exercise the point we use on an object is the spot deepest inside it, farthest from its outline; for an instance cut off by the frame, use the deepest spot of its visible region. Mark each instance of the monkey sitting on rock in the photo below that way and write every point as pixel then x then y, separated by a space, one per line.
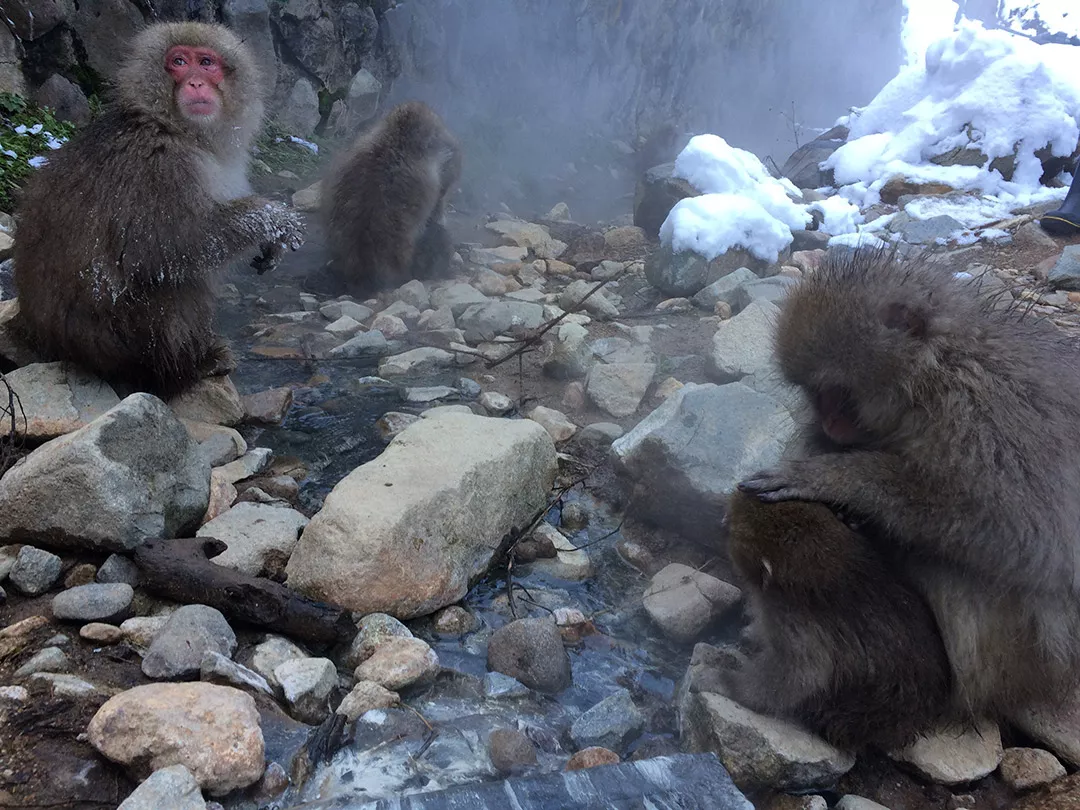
pixel 123 231
pixel 839 641
pixel 952 423
pixel 384 201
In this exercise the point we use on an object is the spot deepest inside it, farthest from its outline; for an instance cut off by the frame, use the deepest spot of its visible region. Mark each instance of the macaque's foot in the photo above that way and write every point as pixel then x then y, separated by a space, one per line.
pixel 219 362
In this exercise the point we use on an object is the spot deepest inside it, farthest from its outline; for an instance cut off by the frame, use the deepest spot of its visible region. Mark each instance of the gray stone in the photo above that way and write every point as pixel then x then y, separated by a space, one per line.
pixel 570 358
pixel 925 231
pixel 211 401
pixel 172 788
pixel 853 802
pixel 486 321
pixel 217 668
pixel 415 361
pixel 618 388
pixel 803 167
pixel 256 534
pixel 689 453
pixel 458 297
pixel 366 344
pixel 657 194
pixel 100 602
pixel 306 684
pixel 35 571
pixel 251 463
pixel 50 659
pixel 597 304
pixel 431 393
pixel 8 555
pixel 600 434
pixel 743 345
pixel 1065 275
pixel 556 423
pixel 414 293
pixel 521 234
pixel 682 601
pixel 339 309
pixel 272 652
pixel 502 687
pixel 133 473
pixel 1027 768
pixel 118 568
pixel 299 115
pixel 364 697
pixel 179 648
pixel 374 630
pixel 66 685
pixel 686 273
pixel 773 290
pixel 955 756
pixel 489 257
pixel 437 319
pixel 495 403
pixel 724 289
pixel 362 101
pixel 612 723
pixel 57 398
pixel 532 651
pixel 400 662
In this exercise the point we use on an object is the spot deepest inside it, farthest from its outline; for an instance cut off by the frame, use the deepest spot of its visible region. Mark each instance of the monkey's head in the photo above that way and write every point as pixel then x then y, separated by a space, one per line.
pixel 199 76
pixel 866 338
pixel 791 546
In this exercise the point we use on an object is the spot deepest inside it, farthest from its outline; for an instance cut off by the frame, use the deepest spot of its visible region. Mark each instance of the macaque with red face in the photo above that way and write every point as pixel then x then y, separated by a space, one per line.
pixel 123 232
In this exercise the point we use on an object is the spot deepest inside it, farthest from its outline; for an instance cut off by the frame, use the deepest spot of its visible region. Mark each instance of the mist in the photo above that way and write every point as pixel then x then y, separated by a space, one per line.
pixel 552 99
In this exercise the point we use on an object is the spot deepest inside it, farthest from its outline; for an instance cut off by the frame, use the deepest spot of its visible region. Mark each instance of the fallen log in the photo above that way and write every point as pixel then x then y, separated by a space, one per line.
pixel 181 570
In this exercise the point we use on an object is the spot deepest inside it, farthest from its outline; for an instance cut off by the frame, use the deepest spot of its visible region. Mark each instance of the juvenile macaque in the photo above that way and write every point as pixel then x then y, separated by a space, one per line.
pixel 123 231
pixel 385 198
pixel 952 423
pixel 840 642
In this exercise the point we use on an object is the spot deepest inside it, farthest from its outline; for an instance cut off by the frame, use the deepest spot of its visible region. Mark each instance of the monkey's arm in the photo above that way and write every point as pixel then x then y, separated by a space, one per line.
pixel 254 222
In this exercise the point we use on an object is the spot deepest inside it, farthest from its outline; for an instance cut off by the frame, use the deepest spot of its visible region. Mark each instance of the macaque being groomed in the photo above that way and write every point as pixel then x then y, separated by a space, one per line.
pixel 840 642
pixel 122 232
pixel 384 201
pixel 953 424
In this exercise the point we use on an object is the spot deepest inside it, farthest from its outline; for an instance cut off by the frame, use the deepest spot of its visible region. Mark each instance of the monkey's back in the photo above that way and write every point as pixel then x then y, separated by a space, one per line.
pixel 107 264
pixel 383 193
pixel 849 624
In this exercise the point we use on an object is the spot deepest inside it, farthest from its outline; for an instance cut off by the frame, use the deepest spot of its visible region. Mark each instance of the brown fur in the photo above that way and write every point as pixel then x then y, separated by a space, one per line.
pixel 385 198
pixel 122 232
pixel 841 643
pixel 964 450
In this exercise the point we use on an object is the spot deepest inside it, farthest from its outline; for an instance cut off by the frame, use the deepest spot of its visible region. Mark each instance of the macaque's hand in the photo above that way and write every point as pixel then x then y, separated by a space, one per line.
pixel 288 234
pixel 796 480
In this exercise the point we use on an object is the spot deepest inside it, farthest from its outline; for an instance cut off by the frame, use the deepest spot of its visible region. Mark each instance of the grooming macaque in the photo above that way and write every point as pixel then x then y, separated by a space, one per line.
pixel 839 641
pixel 951 423
pixel 122 232
pixel 384 201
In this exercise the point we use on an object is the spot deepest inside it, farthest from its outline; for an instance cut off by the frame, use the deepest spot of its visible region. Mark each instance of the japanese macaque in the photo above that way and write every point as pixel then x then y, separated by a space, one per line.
pixel 384 201
pixel 951 423
pixel 838 640
pixel 123 231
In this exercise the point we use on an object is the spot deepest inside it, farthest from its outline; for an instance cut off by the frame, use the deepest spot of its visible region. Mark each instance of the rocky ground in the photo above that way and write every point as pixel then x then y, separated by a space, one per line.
pixel 509 481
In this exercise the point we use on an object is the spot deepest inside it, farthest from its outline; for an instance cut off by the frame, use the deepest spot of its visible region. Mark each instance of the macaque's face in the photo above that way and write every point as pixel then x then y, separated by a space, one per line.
pixel 197 74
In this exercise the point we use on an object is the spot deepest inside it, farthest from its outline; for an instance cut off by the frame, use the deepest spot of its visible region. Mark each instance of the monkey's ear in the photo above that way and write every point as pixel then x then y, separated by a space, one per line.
pixel 902 317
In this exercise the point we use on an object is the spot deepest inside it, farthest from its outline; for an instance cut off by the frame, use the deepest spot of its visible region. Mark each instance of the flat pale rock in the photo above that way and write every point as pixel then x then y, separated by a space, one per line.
pixel 400 662
pixel 682 601
pixel 955 756
pixel 57 398
pixel 211 730
pixel 364 697
pixel 618 388
pixel 254 532
pixel 1027 768
pixel 214 400
pixel 172 788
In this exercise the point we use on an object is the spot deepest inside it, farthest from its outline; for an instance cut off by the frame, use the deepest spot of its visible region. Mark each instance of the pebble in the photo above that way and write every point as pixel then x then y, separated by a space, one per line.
pixel 364 697
pixel 35 571
pixel 306 684
pixel 496 404
pixel 80 575
pixel 187 636
pixel 400 662
pixel 592 757
pixel 510 750
pixel 118 568
pixel 141 631
pixel 498 686
pixel 269 407
pixel 600 434
pixel 271 653
pixel 612 723
pixel 50 659
pixel 66 685
pixel 375 629
pixel 172 788
pixel 344 327
pixel 556 423
pixel 100 602
pixel 454 621
pixel 532 651
pixel 216 668
pixel 1027 768
pixel 101 633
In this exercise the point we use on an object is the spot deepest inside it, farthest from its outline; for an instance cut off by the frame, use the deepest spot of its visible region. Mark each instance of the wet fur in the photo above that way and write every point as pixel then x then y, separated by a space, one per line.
pixel 970 463
pixel 385 199
pixel 839 641
pixel 123 231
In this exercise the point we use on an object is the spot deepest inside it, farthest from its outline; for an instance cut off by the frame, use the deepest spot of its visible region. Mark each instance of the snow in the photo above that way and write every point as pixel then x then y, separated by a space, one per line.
pixel 925 21
pixel 38 162
pixel 853 240
pixel 314 147
pixel 840 215
pixel 1057 16
pixel 712 224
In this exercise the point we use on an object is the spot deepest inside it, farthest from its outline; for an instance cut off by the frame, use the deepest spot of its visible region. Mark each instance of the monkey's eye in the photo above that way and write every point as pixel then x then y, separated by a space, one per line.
pixel 178 61
pixel 206 61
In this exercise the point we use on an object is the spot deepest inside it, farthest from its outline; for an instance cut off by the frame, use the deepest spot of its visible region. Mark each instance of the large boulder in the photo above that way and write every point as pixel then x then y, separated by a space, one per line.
pixel 57 398
pixel 687 455
pixel 686 273
pixel 131 474
pixel 803 167
pixel 410 531
pixel 656 195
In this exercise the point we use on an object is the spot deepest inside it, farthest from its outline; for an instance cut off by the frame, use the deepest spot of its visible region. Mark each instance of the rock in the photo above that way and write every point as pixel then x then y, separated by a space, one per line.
pixel 392 423
pixel 308 199
pixel 415 361
pixel 686 273
pixel 527 235
pixel 14 694
pixel 724 289
pixel 495 403
pixel 803 167
pixel 1065 275
pixel 141 631
pixel 267 408
pixel 591 758
pixel 682 601
pixel 600 434
pixel 490 257
pixel 364 697
pixel 808 261
pixel 217 668
pixel 392 536
pixel 568 562
pixel 596 304
pixel 218 444
pixel 499 687
pixel 212 730
pixel 82 574
pixel 486 321
pixel 8 556
pixel 94 603
pixel 454 621
pixel 1064 794
pixel 66 686
pixel 413 293
pixel 50 659
pixel 759 751
pixel 271 653
pixel 612 723
pixel 391 326
pixel 436 319
pixel 35 571
pixel 172 788
pixel 306 684
pixel 852 802
pixel 99 633
pixel 458 297
pixel 556 423
pixel 400 662
pixel 618 388
pixel 131 474
pixel 213 400
pixel 899 186
pixel 190 632
pixel 250 464
pixel 255 534
pixel 743 346
pixel 570 358
pixel 531 651
pixel 366 344
pixel 430 394
pixel 1027 768
pixel 692 450
pixel 657 194
pixel 925 231
pixel 773 290
pixel 222 496
pixel 510 750
pixel 118 568
pixel 490 283
pixel 955 756
pixel 57 398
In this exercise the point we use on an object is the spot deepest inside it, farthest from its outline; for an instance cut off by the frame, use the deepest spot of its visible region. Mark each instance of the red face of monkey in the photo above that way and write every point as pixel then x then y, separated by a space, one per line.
pixel 197 73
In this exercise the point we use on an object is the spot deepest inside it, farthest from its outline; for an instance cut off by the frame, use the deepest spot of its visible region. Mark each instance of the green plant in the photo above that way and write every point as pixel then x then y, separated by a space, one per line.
pixel 280 150
pixel 28 133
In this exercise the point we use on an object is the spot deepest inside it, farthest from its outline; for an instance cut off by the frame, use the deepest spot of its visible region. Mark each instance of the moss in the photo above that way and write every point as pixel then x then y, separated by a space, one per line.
pixel 27 131
pixel 274 148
